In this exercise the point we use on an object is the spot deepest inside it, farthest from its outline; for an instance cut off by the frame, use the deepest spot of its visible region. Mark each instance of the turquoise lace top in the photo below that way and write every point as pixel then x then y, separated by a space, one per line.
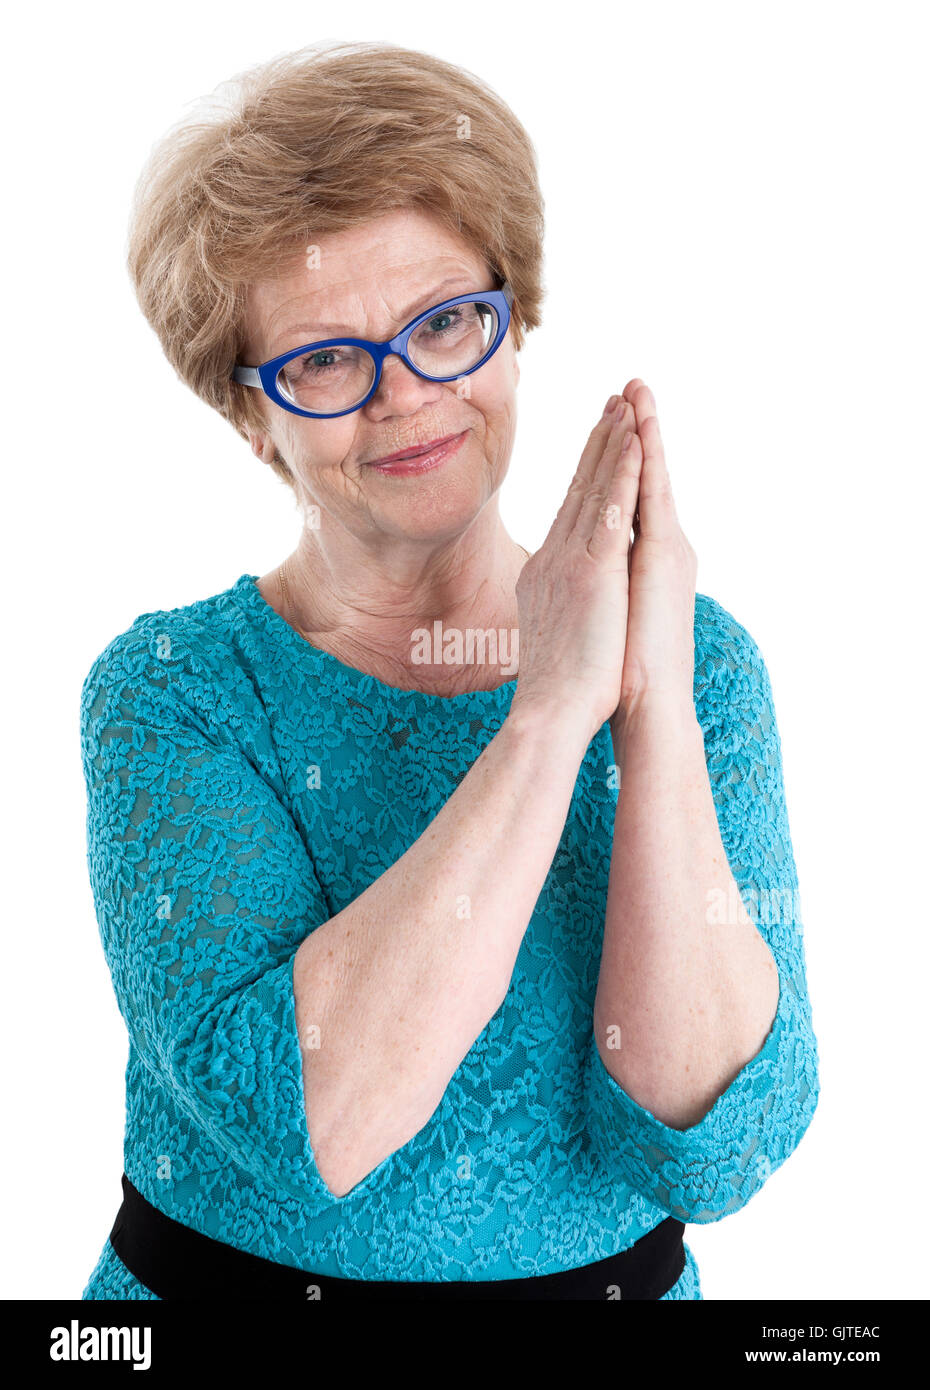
pixel 212 854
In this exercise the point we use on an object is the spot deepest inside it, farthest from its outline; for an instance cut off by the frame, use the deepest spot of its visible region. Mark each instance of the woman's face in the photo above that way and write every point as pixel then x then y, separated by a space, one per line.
pixel 369 282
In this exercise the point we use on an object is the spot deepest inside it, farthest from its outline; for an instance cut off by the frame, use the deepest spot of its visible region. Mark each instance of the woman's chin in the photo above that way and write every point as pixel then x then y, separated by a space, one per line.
pixel 421 510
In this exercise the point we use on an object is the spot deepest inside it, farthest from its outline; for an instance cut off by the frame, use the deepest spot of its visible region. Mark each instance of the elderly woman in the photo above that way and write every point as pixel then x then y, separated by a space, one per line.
pixel 447 892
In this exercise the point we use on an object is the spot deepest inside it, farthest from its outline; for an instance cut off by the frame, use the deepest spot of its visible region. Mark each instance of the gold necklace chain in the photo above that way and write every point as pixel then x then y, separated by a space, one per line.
pixel 286 591
pixel 285 588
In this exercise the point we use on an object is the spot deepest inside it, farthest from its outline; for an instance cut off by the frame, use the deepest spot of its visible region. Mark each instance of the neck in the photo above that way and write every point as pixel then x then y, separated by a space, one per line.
pixel 402 611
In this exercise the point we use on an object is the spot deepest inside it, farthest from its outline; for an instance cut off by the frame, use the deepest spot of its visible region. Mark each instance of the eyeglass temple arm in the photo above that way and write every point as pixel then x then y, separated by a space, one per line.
pixel 247 376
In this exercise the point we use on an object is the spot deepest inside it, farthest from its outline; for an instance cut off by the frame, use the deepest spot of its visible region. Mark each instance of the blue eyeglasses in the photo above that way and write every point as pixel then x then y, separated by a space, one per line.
pixel 339 375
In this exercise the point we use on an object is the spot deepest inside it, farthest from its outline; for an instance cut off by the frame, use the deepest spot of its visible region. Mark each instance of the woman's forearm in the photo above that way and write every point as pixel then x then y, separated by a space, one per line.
pixel 690 1002
pixel 392 992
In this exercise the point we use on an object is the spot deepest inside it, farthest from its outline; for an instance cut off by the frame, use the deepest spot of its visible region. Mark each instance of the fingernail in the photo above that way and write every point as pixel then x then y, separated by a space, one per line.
pixel 627 441
pixel 610 405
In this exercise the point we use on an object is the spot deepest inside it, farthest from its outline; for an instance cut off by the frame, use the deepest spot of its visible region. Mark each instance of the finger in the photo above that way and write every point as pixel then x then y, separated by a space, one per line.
pixel 658 518
pixel 588 465
pixel 636 535
pixel 612 525
pixel 597 488
pixel 592 453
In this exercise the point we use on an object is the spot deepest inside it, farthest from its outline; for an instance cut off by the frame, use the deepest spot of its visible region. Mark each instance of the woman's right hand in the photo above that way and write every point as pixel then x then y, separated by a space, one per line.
pixel 572 594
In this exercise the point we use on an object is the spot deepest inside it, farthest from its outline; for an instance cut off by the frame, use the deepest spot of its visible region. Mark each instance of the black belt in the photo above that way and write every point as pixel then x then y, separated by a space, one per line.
pixel 173 1261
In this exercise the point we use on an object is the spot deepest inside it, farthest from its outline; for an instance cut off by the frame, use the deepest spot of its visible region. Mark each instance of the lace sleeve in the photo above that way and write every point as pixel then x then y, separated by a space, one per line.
pixel 713 1168
pixel 203 891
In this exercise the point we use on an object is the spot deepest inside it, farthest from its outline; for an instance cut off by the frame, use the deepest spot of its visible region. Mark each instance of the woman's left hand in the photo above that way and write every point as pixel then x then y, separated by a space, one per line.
pixel 658 662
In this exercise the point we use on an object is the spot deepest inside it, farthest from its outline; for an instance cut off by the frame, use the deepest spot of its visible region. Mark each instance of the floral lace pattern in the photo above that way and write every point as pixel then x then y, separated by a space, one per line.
pixel 112 1280
pixel 242 788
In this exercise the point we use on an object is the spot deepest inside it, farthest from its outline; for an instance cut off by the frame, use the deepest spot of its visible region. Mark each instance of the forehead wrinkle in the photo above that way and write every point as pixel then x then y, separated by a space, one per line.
pixel 301 323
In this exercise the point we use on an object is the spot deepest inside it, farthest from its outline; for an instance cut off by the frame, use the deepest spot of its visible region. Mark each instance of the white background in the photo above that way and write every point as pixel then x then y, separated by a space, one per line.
pixel 736 212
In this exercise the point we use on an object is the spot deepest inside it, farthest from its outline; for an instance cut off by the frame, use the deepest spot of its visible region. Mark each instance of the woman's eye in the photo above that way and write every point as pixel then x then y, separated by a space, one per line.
pixel 314 363
pixel 441 323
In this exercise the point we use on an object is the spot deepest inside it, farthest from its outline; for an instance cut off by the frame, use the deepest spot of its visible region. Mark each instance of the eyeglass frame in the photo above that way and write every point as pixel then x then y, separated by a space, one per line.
pixel 265 376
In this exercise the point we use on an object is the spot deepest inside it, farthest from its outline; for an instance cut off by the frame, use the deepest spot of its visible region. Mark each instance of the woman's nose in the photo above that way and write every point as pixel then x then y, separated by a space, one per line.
pixel 400 389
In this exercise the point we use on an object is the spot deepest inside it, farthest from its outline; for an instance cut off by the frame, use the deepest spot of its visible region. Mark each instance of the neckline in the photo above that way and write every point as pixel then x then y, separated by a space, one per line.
pixel 246 587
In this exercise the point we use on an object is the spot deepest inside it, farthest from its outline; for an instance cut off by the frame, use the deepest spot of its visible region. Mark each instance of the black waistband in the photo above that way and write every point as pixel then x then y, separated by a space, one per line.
pixel 173 1261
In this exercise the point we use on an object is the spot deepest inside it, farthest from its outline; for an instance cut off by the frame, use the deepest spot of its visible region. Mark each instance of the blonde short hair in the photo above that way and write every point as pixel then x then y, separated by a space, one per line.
pixel 309 144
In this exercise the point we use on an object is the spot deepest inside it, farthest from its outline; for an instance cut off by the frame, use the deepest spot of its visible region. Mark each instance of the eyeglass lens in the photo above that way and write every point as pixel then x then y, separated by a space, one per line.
pixel 334 378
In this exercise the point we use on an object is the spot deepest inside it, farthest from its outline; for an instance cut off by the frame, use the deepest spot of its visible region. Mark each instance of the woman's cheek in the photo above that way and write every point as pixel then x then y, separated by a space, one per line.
pixel 312 448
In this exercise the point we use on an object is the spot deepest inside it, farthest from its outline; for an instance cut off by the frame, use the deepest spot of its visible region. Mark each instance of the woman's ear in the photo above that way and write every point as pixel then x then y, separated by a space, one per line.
pixel 262 447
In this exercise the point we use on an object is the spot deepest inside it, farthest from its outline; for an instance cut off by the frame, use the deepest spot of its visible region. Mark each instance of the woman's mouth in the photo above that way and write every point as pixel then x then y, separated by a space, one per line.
pixel 409 461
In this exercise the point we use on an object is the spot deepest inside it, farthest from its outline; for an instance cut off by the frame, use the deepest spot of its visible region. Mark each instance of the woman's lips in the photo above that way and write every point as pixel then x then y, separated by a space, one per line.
pixel 421 463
